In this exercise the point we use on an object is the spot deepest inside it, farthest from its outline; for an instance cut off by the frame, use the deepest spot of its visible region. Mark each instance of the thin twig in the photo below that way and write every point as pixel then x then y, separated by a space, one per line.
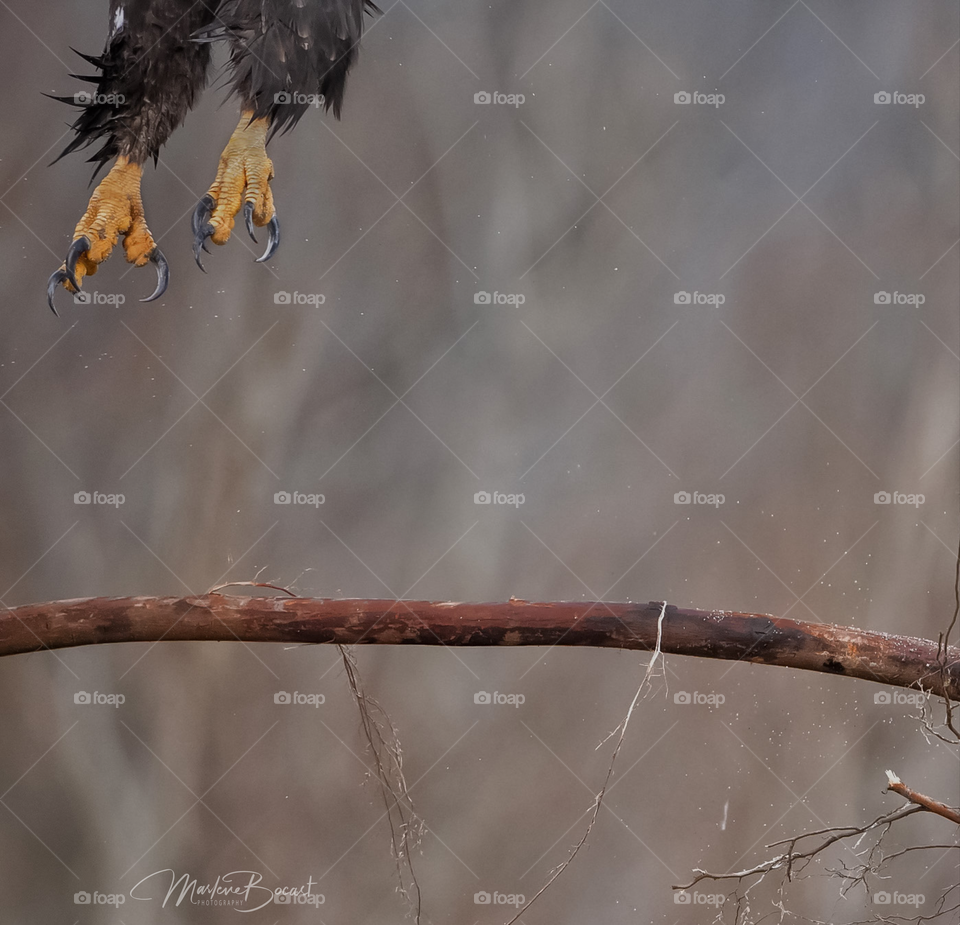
pixel 250 584
pixel 406 827
pixel 928 803
pixel 598 800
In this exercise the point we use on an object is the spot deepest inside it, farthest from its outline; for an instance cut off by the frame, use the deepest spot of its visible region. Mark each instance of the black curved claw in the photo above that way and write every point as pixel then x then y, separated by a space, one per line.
pixel 68 272
pixel 56 278
pixel 273 241
pixel 248 218
pixel 163 274
pixel 78 247
pixel 202 229
pixel 202 212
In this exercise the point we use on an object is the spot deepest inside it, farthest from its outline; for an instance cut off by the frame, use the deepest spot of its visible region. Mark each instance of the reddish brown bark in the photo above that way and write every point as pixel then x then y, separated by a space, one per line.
pixel 902 661
pixel 928 803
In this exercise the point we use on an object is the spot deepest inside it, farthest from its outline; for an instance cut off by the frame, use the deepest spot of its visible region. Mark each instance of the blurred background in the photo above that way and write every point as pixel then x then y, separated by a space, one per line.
pixel 683 297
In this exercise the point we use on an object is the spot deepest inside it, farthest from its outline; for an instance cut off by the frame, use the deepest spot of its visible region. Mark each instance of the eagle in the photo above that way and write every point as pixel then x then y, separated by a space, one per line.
pixel 284 56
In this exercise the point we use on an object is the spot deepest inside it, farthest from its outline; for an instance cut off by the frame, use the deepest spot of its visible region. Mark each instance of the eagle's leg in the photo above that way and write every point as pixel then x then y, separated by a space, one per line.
pixel 243 180
pixel 115 209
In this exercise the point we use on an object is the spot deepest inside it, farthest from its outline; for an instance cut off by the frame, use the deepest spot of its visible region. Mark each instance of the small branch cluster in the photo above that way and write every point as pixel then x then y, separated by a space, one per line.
pixel 865 842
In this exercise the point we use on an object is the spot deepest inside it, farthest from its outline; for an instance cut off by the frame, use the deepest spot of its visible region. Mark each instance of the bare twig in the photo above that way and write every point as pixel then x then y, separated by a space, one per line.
pixel 869 859
pixel 793 858
pixel 249 584
pixel 598 800
pixel 406 827
pixel 943 645
pixel 928 803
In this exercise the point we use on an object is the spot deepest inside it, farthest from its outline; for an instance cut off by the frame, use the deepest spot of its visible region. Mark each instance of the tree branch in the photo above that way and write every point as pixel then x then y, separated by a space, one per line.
pixel 794 859
pixel 928 803
pixel 901 661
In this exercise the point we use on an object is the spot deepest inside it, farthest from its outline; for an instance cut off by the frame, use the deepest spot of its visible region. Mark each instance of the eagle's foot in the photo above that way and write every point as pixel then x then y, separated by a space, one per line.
pixel 243 180
pixel 115 209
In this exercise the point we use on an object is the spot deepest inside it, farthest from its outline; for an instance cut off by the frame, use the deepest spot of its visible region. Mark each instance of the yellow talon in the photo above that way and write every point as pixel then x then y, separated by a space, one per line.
pixel 242 181
pixel 115 209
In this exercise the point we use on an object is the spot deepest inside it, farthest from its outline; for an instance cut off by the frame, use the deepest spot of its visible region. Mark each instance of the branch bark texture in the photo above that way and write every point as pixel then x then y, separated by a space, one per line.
pixel 901 661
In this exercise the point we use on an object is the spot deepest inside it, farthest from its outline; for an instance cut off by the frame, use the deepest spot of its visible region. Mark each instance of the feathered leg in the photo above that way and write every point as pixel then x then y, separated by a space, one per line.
pixel 151 72
pixel 286 57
